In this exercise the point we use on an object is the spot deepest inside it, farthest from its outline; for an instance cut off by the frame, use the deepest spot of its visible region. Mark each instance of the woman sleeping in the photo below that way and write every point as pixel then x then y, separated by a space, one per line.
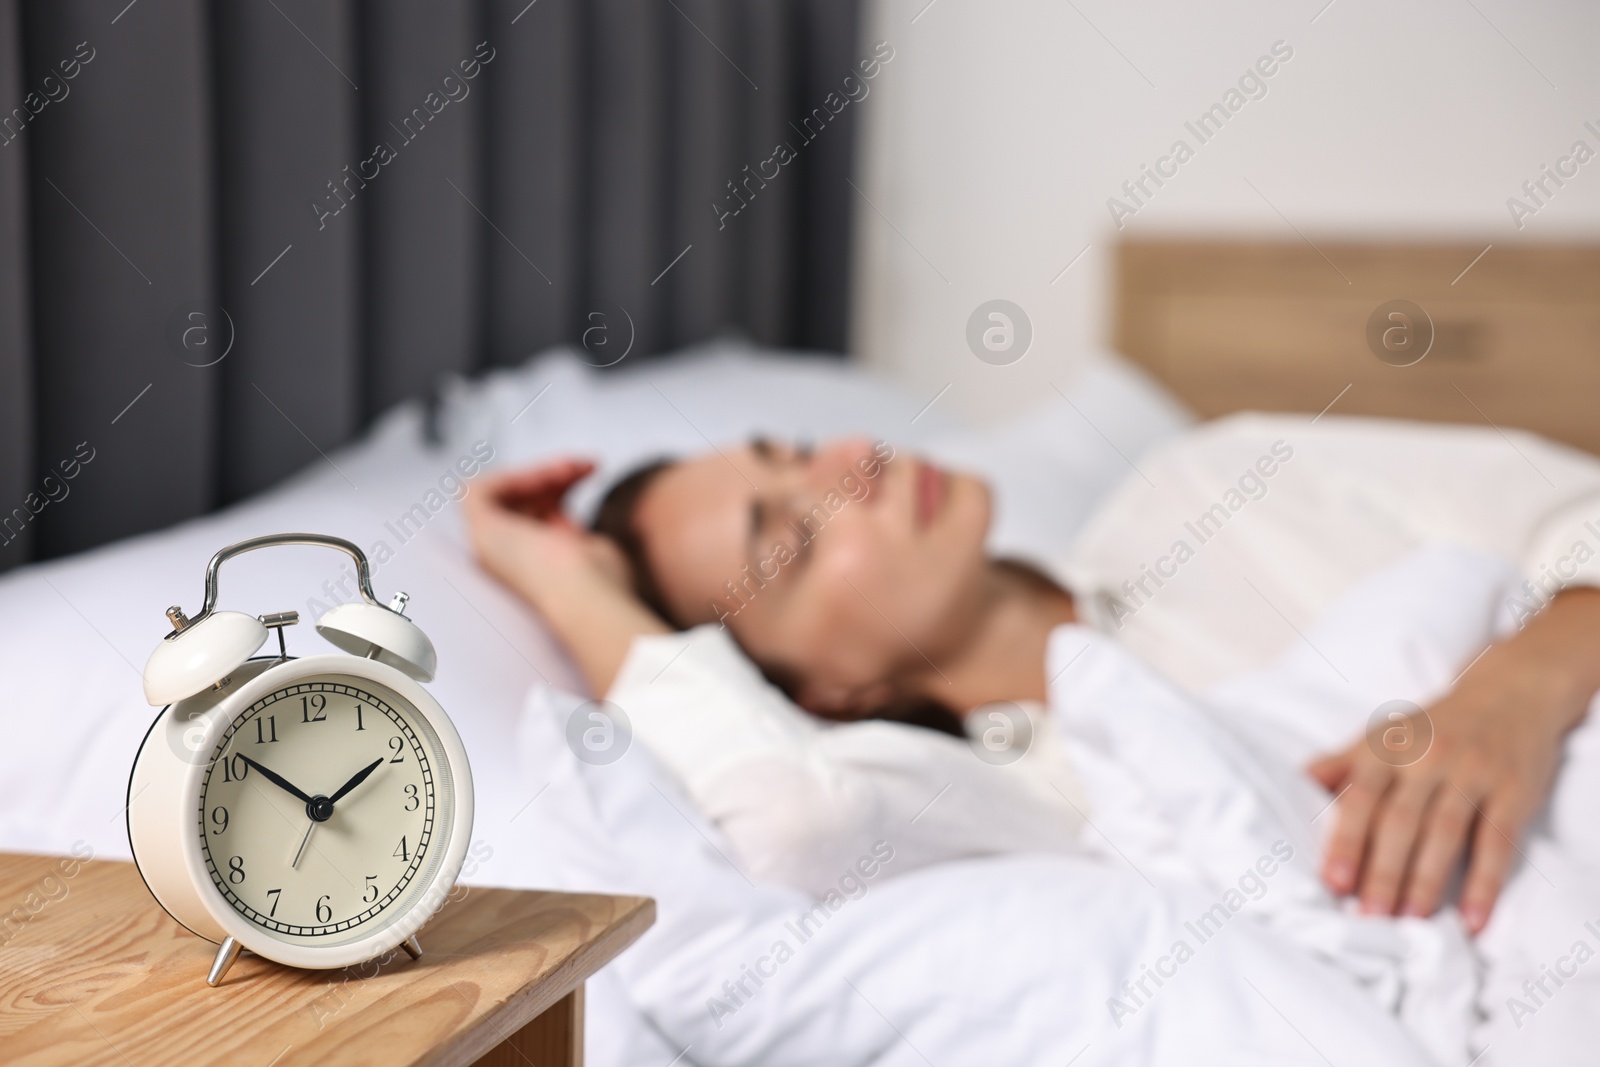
pixel 717 595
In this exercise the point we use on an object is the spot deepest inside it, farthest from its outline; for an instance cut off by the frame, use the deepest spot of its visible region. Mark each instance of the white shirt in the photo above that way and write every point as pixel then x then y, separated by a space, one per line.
pixel 801 800
pixel 1215 554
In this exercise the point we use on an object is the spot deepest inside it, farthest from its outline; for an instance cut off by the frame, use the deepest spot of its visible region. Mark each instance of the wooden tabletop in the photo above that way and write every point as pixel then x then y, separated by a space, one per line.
pixel 93 971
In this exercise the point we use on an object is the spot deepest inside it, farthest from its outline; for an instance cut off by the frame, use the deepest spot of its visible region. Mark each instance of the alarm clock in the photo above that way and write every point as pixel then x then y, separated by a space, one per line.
pixel 314 810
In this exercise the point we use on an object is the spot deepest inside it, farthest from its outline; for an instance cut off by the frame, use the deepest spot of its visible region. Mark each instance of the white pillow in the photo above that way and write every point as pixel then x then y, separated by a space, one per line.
pixel 712 394
pixel 1049 469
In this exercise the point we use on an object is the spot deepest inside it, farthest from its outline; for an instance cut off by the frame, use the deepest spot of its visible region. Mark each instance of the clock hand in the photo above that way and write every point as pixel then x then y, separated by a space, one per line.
pixel 309 827
pixel 277 779
pixel 360 776
pixel 321 808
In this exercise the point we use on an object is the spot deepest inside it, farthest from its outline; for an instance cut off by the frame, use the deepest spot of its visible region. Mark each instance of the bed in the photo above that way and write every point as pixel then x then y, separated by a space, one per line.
pixel 1004 960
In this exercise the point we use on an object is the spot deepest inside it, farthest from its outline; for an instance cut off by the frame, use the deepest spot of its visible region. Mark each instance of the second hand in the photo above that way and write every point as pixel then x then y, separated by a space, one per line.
pixel 311 825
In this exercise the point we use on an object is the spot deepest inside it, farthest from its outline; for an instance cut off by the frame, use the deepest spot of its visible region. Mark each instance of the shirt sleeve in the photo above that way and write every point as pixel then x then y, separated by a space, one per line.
pixel 801 800
pixel 1564 548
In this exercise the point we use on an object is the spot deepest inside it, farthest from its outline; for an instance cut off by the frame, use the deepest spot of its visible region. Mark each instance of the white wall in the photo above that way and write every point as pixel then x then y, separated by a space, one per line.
pixel 1000 128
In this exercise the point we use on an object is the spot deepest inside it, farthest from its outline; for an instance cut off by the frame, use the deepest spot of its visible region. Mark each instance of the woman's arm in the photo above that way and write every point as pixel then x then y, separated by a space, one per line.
pixel 801 801
pixel 576 579
pixel 1496 744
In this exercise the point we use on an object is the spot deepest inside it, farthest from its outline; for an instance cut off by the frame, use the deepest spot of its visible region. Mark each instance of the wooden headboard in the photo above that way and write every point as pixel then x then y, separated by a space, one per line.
pixel 1279 326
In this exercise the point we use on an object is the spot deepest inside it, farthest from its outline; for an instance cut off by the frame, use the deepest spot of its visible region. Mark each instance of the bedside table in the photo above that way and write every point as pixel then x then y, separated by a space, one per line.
pixel 93 971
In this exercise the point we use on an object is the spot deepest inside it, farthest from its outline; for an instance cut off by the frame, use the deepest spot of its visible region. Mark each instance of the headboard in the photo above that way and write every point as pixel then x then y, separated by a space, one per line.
pixel 368 197
pixel 1288 326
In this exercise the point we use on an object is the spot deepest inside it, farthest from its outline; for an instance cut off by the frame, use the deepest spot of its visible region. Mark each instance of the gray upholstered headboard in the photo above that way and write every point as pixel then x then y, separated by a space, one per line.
pixel 360 197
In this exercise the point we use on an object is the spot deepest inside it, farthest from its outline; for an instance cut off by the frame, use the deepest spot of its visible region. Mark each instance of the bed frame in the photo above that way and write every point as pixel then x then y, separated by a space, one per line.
pixel 1257 325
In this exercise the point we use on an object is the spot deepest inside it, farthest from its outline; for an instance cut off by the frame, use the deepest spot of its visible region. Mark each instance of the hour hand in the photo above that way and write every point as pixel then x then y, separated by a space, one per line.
pixel 277 779
pixel 360 776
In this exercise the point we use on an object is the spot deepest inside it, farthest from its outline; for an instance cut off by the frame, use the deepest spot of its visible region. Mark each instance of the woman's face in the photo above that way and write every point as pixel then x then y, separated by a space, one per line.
pixel 849 567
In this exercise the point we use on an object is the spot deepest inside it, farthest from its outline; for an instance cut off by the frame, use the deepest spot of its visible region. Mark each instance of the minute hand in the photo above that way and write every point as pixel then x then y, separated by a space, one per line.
pixel 277 779
pixel 360 776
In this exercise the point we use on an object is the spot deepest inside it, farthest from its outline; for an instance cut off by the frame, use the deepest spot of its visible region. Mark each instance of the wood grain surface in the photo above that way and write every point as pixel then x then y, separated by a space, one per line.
pixel 92 971
pixel 554 1039
pixel 1236 325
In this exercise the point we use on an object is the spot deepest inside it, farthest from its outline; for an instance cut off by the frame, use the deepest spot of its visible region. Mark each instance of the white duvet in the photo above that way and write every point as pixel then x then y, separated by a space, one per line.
pixel 1197 931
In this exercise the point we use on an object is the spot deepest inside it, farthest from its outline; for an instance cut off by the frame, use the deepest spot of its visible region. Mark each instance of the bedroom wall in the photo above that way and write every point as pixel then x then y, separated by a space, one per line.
pixel 1002 129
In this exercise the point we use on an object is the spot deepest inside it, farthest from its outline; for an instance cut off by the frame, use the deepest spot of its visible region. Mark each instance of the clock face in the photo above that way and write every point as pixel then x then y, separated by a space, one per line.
pixel 323 811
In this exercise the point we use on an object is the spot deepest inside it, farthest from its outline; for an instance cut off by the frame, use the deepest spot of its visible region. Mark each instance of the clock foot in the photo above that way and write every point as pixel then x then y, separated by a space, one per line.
pixel 413 947
pixel 226 954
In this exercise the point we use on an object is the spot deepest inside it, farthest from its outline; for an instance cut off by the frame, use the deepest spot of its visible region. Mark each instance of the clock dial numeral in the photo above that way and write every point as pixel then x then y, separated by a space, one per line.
pixel 387 797
pixel 234 770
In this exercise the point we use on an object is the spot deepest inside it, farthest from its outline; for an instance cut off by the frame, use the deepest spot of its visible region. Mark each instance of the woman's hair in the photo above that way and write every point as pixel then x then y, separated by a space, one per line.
pixel 616 520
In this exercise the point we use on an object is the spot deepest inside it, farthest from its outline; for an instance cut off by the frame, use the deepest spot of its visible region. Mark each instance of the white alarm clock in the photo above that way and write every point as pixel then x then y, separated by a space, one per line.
pixel 313 810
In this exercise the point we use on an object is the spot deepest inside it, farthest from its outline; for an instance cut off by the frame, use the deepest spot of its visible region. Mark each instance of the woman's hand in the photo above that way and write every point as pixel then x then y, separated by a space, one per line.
pixel 523 536
pixel 578 580
pixel 1495 747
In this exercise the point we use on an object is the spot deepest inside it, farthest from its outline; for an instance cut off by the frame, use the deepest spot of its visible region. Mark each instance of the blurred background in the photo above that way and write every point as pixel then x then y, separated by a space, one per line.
pixel 233 233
